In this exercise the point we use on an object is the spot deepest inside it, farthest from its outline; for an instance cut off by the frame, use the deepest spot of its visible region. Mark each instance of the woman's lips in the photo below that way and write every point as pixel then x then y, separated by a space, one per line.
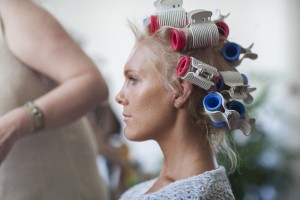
pixel 126 117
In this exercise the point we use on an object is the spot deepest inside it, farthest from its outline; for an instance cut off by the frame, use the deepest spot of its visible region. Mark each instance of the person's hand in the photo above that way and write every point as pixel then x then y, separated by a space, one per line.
pixel 13 125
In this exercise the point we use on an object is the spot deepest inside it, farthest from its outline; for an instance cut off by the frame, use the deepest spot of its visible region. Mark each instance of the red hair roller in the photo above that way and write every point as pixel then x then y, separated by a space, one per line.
pixel 222 28
pixel 177 40
pixel 183 66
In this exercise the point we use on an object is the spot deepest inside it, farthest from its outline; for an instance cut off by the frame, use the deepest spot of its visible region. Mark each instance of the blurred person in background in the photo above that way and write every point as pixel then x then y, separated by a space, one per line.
pixel 47 149
pixel 183 92
pixel 106 128
pixel 114 163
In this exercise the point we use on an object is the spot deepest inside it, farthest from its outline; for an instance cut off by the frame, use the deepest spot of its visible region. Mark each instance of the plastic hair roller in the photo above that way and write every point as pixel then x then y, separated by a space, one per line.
pixel 213 102
pixel 234 115
pixel 178 39
pixel 218 19
pixel 232 51
pixel 201 30
pixel 222 28
pixel 197 72
pixel 245 78
pixel 183 66
pixel 169 13
pixel 220 84
pixel 230 79
pixel 235 85
pixel 204 32
pixel 215 106
pixel 237 106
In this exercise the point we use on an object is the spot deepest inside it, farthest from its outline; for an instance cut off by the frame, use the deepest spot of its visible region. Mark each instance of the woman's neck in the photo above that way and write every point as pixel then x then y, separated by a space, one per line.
pixel 187 152
pixel 185 158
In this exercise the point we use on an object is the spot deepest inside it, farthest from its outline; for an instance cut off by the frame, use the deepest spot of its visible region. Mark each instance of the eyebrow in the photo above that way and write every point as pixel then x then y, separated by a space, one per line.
pixel 127 71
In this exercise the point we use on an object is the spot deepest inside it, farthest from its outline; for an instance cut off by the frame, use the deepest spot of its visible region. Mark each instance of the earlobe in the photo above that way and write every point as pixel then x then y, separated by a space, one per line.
pixel 181 99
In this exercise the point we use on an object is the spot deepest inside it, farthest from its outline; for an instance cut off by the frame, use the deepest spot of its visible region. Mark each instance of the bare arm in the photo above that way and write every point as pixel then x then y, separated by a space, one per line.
pixel 39 41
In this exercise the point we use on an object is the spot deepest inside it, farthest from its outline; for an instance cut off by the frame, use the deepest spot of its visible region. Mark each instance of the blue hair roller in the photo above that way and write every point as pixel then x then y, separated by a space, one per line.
pixel 231 51
pixel 237 106
pixel 220 84
pixel 245 79
pixel 213 102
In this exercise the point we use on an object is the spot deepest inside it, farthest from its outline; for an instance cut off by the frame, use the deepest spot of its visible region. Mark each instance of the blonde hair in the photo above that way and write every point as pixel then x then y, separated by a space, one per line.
pixel 166 60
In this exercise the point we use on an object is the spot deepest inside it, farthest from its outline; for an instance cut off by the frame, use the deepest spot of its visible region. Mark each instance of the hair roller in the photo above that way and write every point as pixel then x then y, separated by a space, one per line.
pixel 154 25
pixel 204 35
pixel 237 106
pixel 231 51
pixel 213 102
pixel 223 28
pixel 183 66
pixel 175 18
pixel 177 40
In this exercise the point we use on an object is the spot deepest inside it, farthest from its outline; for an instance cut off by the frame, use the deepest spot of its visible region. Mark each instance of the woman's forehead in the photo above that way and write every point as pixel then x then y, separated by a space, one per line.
pixel 140 58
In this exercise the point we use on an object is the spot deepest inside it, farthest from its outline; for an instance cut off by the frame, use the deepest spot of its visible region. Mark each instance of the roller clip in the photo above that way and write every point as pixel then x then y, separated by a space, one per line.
pixel 222 111
pixel 202 77
pixel 199 16
pixel 232 52
pixel 242 92
pixel 165 5
pixel 248 53
pixel 215 106
pixel 217 16
pixel 168 13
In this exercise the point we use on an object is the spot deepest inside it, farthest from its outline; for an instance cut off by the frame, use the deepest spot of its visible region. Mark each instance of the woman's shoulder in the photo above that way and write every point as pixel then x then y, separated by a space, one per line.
pixel 217 185
pixel 212 184
pixel 138 190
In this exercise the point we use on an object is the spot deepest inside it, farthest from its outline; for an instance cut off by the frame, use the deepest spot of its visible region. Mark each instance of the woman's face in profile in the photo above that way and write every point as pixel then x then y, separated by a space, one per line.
pixel 147 105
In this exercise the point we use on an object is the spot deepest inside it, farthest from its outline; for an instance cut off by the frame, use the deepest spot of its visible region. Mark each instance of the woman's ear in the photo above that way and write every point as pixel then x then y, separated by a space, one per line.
pixel 181 99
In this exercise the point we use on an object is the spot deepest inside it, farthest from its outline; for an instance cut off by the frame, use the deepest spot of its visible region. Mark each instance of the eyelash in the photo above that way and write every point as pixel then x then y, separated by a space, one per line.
pixel 133 80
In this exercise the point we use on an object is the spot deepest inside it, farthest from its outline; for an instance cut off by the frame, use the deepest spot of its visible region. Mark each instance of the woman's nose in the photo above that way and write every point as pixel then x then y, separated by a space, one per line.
pixel 119 98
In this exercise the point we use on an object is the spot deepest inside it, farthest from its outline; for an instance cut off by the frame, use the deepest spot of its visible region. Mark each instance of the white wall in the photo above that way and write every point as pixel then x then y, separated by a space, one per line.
pixel 271 24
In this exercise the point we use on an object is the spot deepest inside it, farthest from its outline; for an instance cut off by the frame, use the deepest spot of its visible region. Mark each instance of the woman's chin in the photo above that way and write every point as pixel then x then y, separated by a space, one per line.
pixel 133 136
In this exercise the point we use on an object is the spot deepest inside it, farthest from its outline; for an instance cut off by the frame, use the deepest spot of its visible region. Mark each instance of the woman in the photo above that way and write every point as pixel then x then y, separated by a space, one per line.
pixel 170 95
pixel 47 151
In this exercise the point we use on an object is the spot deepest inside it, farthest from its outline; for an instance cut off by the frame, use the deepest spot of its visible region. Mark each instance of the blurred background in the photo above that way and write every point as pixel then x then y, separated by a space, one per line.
pixel 270 157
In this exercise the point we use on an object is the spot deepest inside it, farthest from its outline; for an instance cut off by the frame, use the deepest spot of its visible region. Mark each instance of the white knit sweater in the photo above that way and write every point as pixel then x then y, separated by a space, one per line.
pixel 211 185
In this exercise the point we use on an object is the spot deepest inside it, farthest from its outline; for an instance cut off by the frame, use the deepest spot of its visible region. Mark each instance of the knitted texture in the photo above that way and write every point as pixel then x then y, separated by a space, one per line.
pixel 211 185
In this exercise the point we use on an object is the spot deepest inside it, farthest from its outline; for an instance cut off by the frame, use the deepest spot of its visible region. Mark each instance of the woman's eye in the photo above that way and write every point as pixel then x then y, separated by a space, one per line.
pixel 133 80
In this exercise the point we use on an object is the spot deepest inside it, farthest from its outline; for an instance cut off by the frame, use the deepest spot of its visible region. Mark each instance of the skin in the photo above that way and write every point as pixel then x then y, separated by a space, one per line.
pixel 152 111
pixel 143 91
pixel 39 41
